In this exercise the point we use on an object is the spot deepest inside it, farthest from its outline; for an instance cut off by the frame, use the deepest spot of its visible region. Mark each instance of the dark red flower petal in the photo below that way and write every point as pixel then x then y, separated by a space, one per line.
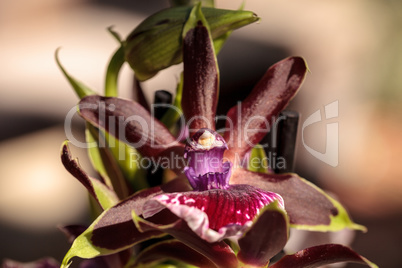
pixel 249 121
pixel 129 122
pixel 307 205
pixel 201 79
pixel 266 237
pixel 321 255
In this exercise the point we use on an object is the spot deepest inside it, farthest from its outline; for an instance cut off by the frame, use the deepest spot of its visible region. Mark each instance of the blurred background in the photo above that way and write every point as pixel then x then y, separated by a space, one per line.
pixel 353 49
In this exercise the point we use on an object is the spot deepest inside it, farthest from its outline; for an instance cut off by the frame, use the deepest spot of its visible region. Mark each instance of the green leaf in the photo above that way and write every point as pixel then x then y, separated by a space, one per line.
pixel 128 159
pixel 112 73
pixel 116 162
pixel 258 160
pixel 157 44
pixel 79 88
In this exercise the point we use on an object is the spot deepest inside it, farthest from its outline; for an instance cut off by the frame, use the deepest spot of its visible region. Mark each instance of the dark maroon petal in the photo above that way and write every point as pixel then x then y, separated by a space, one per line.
pixel 249 121
pixel 267 237
pixel 74 168
pixel 172 158
pixel 308 206
pixel 114 229
pixel 42 263
pixel 201 79
pixel 214 214
pixel 129 122
pixel 321 255
pixel 171 250
pixel 220 253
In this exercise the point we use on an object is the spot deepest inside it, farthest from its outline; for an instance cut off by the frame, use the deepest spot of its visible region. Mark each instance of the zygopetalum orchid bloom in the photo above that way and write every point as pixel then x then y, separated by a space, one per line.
pixel 219 199
pixel 215 213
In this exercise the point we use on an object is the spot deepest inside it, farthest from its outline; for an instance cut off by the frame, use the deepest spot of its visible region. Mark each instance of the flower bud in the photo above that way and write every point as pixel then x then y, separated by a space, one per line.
pixel 157 42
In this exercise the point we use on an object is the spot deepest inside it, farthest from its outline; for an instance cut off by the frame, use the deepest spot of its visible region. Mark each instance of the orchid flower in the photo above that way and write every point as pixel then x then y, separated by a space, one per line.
pixel 211 199
pixel 215 213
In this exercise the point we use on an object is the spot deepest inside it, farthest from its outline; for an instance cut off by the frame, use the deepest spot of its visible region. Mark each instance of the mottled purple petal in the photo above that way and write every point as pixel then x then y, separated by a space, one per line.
pixel 201 79
pixel 210 180
pixel 266 237
pixel 249 121
pixel 171 250
pixel 307 205
pixel 214 214
pixel 129 122
pixel 204 151
pixel 206 169
pixel 321 255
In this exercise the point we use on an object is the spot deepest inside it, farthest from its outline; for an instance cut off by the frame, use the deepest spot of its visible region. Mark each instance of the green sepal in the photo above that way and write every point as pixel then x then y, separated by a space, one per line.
pixel 95 156
pixel 338 222
pixel 157 44
pixel 79 88
pixel 127 157
pixel 114 161
pixel 258 160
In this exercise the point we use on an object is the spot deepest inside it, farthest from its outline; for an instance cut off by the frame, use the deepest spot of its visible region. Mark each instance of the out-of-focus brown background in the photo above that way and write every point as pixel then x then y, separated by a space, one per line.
pixel 353 49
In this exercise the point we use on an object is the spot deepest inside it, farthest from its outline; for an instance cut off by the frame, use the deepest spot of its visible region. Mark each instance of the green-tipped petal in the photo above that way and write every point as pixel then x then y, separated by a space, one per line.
pixel 308 207
pixel 79 88
pixel 105 197
pixel 113 231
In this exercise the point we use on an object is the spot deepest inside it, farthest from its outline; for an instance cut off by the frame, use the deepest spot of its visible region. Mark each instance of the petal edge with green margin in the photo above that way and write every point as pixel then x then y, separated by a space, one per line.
pixel 308 207
pixel 113 231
